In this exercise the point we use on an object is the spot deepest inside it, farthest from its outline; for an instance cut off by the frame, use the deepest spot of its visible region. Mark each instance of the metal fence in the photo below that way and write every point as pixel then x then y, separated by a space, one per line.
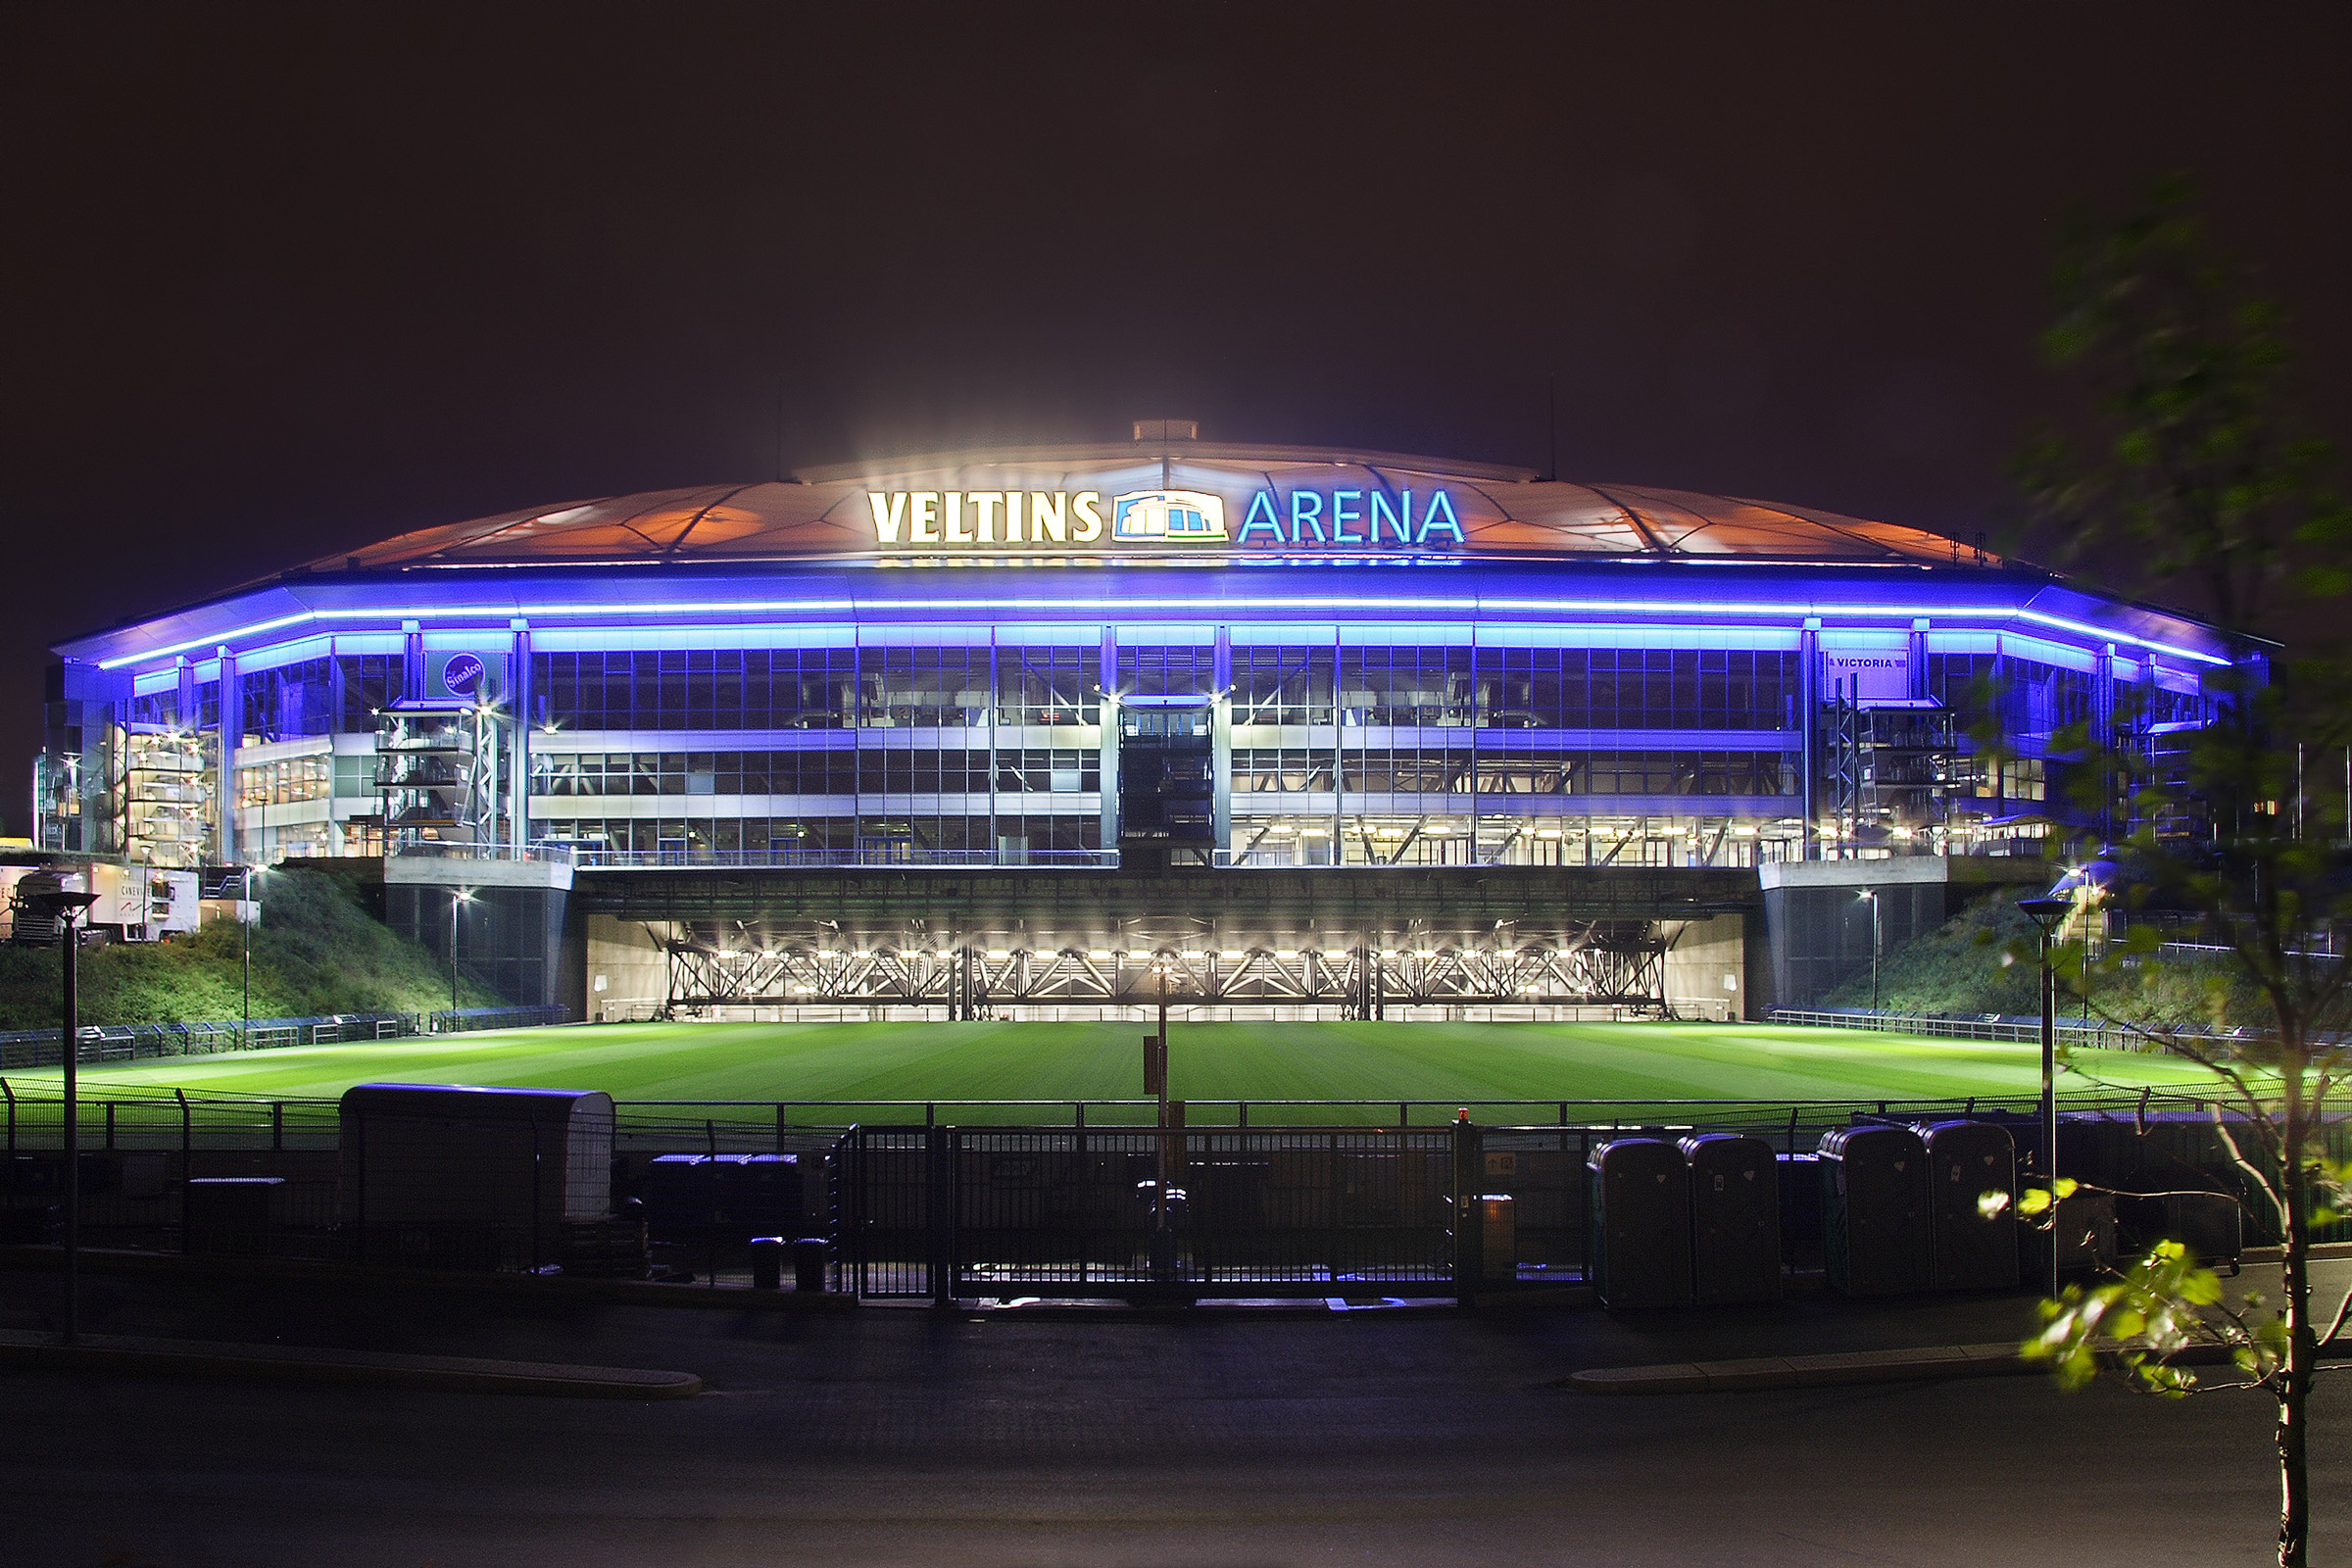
pixel 108 1043
pixel 948 1213
pixel 468 1020
pixel 2007 1028
pixel 1023 1198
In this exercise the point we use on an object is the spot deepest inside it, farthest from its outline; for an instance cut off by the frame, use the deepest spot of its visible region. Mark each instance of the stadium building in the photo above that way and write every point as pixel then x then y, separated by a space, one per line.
pixel 1022 731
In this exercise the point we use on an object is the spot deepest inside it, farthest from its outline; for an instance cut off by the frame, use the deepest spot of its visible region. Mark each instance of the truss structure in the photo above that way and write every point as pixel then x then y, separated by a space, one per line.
pixel 1610 963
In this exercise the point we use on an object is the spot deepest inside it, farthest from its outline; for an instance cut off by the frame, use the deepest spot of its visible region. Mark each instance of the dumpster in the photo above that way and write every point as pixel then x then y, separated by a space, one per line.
pixel 729 1197
pixel 2212 1225
pixel 1735 1219
pixel 2085 1234
pixel 1971 1248
pixel 233 1216
pixel 1640 1230
pixel 1874 1210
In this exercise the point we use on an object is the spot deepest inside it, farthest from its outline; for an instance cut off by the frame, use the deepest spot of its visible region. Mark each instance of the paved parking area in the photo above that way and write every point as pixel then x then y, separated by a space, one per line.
pixel 897 1435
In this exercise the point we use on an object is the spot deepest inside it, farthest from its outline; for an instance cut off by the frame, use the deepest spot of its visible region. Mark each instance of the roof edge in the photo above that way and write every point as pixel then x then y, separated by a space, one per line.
pixel 1076 454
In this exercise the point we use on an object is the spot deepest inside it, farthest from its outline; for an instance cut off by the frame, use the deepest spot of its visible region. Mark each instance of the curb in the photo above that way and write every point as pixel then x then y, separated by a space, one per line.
pixel 379 1369
pixel 575 1288
pixel 1926 1364
pixel 1807 1371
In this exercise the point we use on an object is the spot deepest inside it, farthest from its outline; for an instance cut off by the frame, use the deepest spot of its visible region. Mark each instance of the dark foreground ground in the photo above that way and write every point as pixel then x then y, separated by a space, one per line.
pixel 896 1437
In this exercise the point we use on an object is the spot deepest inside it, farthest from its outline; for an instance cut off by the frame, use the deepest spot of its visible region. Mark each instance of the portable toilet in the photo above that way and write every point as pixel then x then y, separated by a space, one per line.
pixel 1874 1210
pixel 1974 1238
pixel 1641 1223
pixel 1735 1219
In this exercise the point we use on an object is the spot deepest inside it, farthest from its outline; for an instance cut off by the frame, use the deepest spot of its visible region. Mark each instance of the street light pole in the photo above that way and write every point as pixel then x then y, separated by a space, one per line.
pixel 65 906
pixel 2047 913
pixel 1877 942
pixel 245 919
pixel 456 897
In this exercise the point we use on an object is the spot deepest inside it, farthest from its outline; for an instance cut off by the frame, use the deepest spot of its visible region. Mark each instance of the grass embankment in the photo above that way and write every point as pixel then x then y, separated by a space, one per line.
pixel 1959 967
pixel 1265 1063
pixel 317 951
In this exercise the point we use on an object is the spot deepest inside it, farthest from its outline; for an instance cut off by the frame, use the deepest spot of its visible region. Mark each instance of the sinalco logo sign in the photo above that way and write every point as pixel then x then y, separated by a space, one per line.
pixel 461 675
pixel 983 520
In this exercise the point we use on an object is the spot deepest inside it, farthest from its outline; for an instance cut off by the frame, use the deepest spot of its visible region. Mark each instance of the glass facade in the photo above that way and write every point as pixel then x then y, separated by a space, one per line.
pixel 1326 746
pixel 969 737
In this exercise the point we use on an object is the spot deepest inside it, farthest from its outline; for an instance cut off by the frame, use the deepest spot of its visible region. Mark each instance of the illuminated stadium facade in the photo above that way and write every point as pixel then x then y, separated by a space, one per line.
pixel 1171 657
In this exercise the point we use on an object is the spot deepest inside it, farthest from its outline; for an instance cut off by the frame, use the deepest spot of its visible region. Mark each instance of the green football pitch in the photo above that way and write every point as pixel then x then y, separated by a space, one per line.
pixel 1264 1064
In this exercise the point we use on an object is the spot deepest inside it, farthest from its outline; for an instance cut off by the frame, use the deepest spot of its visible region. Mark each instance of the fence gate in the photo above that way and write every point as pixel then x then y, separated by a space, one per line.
pixel 943 1212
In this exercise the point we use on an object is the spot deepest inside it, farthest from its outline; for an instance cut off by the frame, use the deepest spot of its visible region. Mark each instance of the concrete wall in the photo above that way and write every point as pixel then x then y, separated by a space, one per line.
pixel 1819 922
pixel 1707 968
pixel 631 965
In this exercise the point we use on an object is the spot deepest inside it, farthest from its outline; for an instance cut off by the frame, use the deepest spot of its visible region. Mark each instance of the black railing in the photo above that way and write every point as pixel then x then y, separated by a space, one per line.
pixel 106 1043
pixel 993 1198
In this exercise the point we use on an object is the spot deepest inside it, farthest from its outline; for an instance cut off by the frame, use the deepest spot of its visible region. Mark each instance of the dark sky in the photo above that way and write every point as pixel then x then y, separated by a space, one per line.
pixel 283 280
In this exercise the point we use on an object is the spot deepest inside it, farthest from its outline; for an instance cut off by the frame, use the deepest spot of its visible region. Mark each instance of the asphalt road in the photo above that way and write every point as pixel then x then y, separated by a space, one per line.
pixel 894 1436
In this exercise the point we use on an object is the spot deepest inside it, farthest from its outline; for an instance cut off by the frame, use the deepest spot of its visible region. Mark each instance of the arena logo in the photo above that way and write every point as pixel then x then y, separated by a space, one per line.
pixel 907 519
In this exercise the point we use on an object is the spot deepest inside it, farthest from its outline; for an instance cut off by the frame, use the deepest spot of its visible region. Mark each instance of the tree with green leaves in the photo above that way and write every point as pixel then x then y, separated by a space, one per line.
pixel 2200 477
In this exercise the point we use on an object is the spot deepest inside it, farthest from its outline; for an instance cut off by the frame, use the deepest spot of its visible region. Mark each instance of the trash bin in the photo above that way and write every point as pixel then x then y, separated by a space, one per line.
pixel 1641 1223
pixel 809 1264
pixel 1874 1210
pixel 1498 1238
pixel 1735 1219
pixel 767 1262
pixel 1970 1248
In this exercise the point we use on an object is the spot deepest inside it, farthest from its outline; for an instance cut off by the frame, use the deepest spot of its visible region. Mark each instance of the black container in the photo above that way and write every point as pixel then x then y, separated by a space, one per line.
pixel 724 1197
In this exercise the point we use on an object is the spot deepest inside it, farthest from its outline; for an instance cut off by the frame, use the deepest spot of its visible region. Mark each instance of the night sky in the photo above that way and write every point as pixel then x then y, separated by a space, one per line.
pixel 281 281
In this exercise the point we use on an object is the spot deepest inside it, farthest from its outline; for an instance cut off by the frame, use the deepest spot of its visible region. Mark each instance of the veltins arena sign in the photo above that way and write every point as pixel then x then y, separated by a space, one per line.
pixel 935 519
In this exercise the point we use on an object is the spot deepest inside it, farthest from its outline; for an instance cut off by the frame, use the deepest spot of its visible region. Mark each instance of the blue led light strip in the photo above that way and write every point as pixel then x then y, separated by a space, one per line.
pixel 1616 608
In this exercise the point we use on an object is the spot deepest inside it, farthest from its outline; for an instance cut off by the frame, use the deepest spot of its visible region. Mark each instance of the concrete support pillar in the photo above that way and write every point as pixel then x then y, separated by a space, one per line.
pixel 523 702
pixel 225 788
pixel 1220 728
pixel 1109 682
pixel 1808 718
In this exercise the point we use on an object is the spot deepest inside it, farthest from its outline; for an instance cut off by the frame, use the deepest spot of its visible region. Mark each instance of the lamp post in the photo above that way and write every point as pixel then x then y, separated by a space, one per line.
pixel 66 905
pixel 1163 1219
pixel 2048 914
pixel 245 919
pixel 1876 943
pixel 456 898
